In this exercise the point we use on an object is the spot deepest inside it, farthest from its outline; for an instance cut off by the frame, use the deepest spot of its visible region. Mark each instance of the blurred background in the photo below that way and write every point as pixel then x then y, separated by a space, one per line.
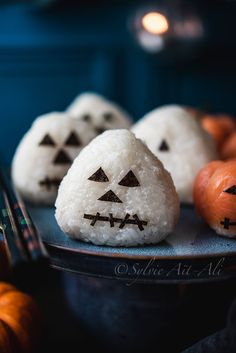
pixel 140 54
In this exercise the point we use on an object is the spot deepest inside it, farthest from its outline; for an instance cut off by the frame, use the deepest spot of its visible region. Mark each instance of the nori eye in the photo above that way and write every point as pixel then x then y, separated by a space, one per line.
pixel 129 180
pixel 47 141
pixel 86 117
pixel 231 190
pixel 164 147
pixel 73 140
pixel 99 176
pixel 108 117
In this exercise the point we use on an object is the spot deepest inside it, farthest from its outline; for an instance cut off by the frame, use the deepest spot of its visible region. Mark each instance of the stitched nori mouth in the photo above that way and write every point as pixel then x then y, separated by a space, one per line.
pixel 50 183
pixel 112 220
pixel 226 223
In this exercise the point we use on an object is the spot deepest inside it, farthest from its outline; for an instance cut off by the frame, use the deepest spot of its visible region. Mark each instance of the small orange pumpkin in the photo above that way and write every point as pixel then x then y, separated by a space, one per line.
pixel 212 126
pixel 228 149
pixel 219 126
pixel 4 263
pixel 227 122
pixel 7 339
pixel 214 196
pixel 19 320
pixel 199 187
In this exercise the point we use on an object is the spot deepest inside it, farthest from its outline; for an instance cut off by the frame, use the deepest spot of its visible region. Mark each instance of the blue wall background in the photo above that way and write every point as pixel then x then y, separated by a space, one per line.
pixel 50 54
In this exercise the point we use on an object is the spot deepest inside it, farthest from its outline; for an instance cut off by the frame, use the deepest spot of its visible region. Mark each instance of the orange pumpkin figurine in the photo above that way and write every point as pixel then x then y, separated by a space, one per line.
pixel 227 122
pixel 200 184
pixel 212 126
pixel 228 149
pixel 4 262
pixel 19 320
pixel 214 196
pixel 219 126
pixel 7 339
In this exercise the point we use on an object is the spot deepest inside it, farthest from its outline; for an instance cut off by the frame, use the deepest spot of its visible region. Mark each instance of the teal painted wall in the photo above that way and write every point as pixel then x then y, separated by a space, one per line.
pixel 49 55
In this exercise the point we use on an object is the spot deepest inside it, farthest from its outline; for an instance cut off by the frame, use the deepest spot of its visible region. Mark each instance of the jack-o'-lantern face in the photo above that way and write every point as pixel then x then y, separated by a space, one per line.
pixel 215 196
pixel 117 193
pixel 62 155
pixel 180 142
pixel 230 222
pixel 221 194
pixel 105 121
pixel 46 153
pixel 98 113
pixel 129 180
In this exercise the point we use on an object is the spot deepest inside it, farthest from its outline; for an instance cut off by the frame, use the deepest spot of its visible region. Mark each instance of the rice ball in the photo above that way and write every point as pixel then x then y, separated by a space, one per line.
pixel 117 193
pixel 180 142
pixel 99 113
pixel 45 154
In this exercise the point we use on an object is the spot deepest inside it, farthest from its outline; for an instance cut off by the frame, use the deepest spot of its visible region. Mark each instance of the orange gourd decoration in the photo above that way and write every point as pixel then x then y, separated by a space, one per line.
pixel 219 126
pixel 214 196
pixel 212 126
pixel 227 122
pixel 19 321
pixel 4 263
pixel 228 149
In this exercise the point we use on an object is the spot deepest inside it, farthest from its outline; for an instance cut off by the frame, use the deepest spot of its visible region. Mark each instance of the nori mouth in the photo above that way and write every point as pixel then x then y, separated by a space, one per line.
pixel 226 223
pixel 50 183
pixel 112 220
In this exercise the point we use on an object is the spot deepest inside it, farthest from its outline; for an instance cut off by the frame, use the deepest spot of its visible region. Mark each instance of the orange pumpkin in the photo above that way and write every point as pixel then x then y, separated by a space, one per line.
pixel 219 126
pixel 4 263
pixel 212 126
pixel 19 320
pixel 228 149
pixel 214 196
pixel 7 339
pixel 200 184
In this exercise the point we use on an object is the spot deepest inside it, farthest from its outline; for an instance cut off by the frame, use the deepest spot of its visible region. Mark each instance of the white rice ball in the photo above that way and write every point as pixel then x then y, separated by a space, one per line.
pixel 117 193
pixel 45 154
pixel 179 141
pixel 99 113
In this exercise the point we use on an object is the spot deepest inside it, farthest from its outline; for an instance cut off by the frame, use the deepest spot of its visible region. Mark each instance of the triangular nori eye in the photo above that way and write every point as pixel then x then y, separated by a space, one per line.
pixel 99 176
pixel 108 116
pixel 47 141
pixel 129 180
pixel 73 140
pixel 163 146
pixel 86 117
pixel 231 190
